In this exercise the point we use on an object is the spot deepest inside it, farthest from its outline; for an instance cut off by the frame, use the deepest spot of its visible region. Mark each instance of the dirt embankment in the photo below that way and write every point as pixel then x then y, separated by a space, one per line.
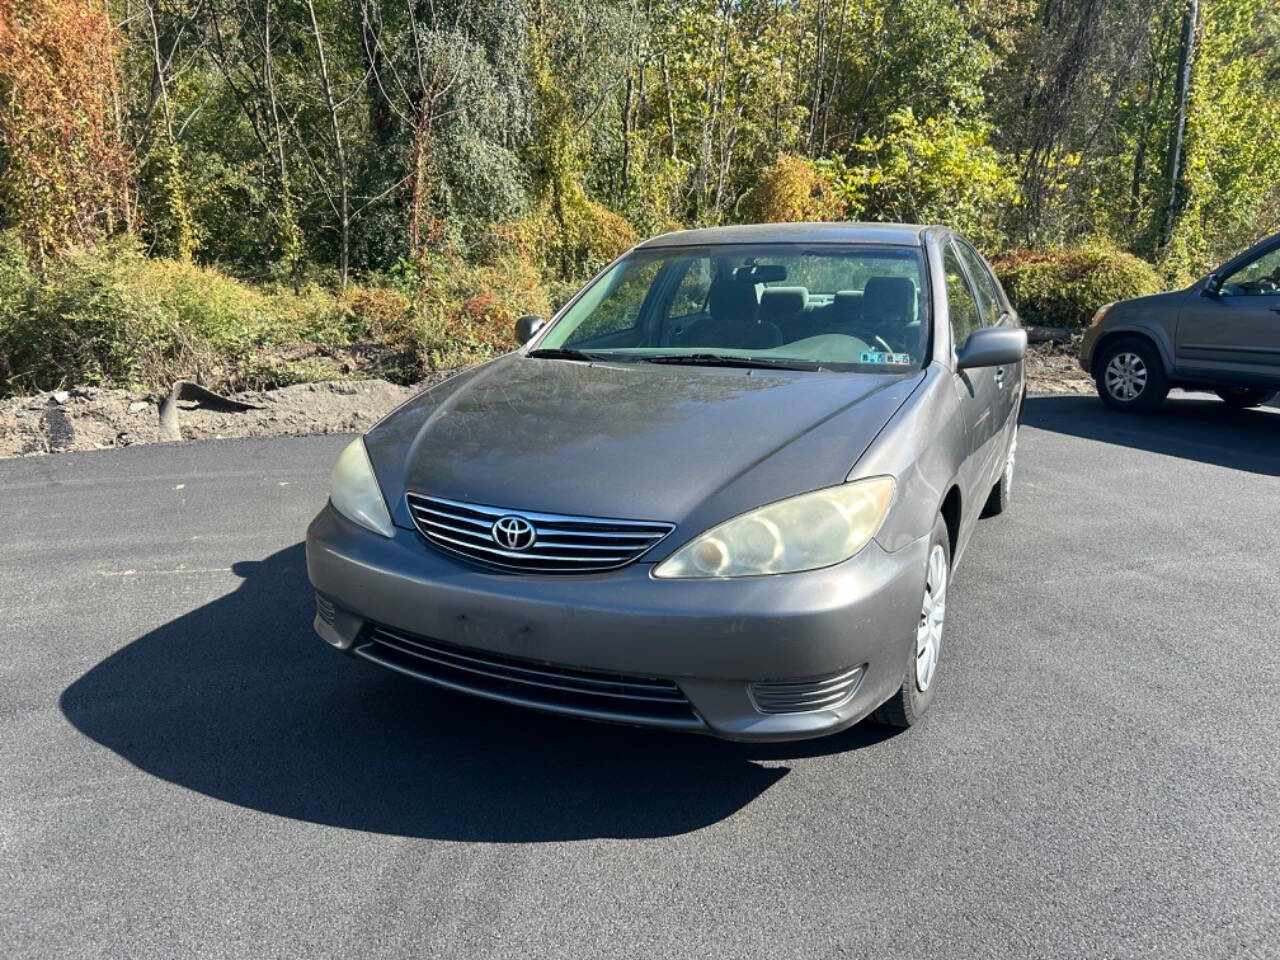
pixel 1055 368
pixel 89 418
pixel 92 419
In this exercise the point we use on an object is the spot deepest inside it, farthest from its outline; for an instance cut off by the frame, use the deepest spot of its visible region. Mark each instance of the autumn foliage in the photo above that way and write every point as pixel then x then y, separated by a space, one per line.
pixel 64 179
pixel 791 190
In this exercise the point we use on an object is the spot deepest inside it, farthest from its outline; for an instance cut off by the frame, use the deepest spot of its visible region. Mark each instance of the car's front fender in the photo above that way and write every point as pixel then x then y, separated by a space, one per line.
pixel 1153 318
pixel 924 447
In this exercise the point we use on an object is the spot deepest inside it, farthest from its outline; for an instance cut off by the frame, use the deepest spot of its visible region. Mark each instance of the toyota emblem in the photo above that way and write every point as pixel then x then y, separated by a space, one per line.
pixel 513 533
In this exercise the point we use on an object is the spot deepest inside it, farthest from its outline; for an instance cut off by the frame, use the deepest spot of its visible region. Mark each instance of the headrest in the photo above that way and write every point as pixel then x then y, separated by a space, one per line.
pixel 846 305
pixel 733 300
pixel 889 296
pixel 783 303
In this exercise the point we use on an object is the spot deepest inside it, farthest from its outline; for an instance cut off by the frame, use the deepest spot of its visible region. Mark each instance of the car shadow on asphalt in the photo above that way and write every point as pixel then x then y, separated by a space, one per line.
pixel 239 700
pixel 1184 426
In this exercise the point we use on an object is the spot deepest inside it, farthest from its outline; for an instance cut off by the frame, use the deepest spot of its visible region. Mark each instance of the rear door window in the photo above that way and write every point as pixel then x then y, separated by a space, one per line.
pixel 983 284
pixel 966 317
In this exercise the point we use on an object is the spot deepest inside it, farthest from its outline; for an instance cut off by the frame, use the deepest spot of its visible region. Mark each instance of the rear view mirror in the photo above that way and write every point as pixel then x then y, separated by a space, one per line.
pixel 992 347
pixel 1212 285
pixel 761 273
pixel 527 326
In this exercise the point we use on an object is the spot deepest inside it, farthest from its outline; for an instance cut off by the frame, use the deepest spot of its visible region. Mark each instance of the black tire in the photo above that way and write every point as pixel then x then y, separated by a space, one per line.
pixel 998 499
pixel 1241 398
pixel 1146 372
pixel 909 703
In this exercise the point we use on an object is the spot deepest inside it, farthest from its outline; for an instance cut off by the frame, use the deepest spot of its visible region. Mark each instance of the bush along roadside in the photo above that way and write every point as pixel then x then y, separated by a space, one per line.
pixel 1063 287
pixel 111 317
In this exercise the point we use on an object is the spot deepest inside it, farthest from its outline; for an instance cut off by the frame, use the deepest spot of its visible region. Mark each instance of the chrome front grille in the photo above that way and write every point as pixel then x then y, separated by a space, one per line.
pixel 801 696
pixel 556 543
pixel 531 683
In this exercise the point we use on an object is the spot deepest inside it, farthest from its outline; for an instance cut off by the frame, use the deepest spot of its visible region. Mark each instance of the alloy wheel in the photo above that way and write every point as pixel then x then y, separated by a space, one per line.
pixel 1126 376
pixel 933 613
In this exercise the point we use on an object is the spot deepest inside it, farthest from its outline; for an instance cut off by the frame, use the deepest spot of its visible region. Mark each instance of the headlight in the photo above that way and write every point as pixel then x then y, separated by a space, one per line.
pixel 1101 313
pixel 354 491
pixel 801 533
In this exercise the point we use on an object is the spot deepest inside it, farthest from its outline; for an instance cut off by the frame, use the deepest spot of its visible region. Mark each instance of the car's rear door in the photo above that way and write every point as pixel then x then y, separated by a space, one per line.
pixel 1234 335
pixel 977 389
pixel 1009 379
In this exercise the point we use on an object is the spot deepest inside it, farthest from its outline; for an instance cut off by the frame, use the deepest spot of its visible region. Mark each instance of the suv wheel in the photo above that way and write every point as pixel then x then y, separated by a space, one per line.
pixel 1130 376
pixel 1239 398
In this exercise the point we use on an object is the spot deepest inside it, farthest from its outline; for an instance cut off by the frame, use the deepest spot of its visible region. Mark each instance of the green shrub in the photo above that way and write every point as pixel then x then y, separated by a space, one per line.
pixel 571 246
pixel 112 317
pixel 464 313
pixel 941 169
pixel 15 289
pixel 1063 288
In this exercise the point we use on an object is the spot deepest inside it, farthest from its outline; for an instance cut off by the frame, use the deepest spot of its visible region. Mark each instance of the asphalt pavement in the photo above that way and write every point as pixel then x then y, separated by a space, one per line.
pixel 185 770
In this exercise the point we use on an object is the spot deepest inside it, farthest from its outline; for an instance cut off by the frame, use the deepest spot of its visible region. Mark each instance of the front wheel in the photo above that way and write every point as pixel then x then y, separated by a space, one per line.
pixel 1130 376
pixel 919 681
pixel 1241 398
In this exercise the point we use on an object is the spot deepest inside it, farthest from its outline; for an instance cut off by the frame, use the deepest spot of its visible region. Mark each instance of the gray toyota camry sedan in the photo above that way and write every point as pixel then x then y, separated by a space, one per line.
pixel 723 490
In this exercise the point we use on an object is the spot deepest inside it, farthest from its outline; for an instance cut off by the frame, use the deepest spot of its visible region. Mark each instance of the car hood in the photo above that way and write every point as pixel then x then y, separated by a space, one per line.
pixel 629 440
pixel 1152 301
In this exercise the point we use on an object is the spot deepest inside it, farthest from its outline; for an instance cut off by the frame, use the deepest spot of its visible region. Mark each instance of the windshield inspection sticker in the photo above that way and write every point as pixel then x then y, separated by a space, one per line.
pixel 893 359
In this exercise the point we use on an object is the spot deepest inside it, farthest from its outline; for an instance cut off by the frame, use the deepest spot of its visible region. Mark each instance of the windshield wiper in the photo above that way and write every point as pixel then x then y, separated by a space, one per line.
pixel 728 360
pixel 564 353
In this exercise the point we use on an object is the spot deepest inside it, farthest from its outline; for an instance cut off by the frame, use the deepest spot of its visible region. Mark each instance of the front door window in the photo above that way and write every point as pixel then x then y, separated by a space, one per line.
pixel 1261 278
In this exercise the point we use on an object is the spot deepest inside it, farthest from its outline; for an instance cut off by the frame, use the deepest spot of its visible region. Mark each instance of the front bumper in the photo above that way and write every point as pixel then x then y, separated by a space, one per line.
pixel 712 639
pixel 1087 344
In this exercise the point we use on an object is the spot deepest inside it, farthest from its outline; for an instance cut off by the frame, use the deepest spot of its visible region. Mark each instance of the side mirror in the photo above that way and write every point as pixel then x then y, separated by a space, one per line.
pixel 992 347
pixel 1212 285
pixel 526 327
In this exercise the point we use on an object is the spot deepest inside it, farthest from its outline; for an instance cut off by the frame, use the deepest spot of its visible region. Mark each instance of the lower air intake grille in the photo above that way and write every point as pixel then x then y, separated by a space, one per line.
pixel 530 683
pixel 801 696
pixel 535 542
pixel 324 607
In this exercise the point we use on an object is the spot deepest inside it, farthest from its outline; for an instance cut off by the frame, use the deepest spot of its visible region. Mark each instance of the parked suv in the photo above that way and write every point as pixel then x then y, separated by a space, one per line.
pixel 1222 334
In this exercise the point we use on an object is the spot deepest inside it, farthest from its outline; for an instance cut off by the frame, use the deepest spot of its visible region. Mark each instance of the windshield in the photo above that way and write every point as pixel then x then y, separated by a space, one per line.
pixel 839 307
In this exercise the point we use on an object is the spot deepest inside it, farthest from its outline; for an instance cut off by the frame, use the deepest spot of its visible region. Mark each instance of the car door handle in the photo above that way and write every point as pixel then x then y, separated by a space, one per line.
pixel 999 376
pixel 1275 309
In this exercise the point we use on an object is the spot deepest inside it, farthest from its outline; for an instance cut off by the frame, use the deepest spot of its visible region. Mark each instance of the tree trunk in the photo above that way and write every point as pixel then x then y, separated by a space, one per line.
pixel 289 223
pixel 834 89
pixel 819 65
pixel 671 107
pixel 420 194
pixel 626 135
pixel 1186 57
pixel 344 213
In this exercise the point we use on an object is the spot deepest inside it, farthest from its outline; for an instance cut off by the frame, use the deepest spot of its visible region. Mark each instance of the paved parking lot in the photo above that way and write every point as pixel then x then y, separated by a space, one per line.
pixel 186 771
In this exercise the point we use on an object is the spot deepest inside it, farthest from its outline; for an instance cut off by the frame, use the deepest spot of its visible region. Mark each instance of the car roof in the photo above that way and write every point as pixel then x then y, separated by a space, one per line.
pixel 898 234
